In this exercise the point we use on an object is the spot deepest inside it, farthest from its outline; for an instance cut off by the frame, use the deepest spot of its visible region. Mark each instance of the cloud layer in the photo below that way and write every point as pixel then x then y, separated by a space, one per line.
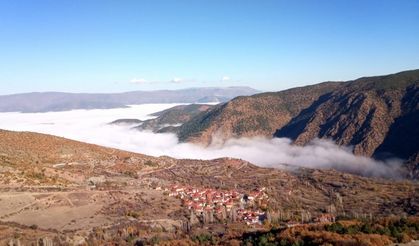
pixel 138 81
pixel 91 126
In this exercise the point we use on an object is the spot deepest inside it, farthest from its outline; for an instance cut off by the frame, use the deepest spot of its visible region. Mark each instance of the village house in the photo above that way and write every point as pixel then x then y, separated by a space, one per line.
pixel 325 218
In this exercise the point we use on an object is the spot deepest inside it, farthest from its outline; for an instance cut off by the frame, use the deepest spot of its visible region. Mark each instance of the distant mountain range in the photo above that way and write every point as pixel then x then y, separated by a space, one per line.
pixel 378 116
pixel 59 101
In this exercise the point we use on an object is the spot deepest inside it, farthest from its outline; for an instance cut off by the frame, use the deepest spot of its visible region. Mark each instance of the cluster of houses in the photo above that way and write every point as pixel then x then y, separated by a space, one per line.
pixel 207 203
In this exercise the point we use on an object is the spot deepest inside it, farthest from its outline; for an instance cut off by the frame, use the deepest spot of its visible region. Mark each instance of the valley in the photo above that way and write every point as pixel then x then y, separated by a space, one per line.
pixel 201 123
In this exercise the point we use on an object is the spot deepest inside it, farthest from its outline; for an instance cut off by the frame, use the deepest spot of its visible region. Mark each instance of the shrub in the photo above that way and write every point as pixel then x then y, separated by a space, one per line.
pixel 33 227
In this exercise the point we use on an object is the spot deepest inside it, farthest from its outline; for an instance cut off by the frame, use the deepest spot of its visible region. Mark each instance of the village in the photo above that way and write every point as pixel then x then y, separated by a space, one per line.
pixel 208 204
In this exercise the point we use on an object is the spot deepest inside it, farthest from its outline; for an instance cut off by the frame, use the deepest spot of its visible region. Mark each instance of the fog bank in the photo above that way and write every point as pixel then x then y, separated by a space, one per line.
pixel 91 126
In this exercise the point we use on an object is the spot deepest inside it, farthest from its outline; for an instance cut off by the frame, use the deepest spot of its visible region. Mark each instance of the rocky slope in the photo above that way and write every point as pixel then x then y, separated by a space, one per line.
pixel 378 116
pixel 260 114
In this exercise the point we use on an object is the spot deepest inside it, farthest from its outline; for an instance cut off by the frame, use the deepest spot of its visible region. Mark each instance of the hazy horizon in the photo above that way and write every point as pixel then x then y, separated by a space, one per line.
pixel 138 90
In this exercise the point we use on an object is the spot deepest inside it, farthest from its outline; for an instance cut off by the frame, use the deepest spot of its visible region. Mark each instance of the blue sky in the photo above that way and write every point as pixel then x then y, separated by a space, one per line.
pixel 104 46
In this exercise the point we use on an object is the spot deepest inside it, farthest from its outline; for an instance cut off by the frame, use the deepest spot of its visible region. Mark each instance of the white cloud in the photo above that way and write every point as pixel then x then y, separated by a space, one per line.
pixel 138 81
pixel 91 126
pixel 225 78
pixel 176 80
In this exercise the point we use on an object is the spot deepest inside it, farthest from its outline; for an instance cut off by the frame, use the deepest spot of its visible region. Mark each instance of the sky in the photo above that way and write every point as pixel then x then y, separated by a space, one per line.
pixel 114 46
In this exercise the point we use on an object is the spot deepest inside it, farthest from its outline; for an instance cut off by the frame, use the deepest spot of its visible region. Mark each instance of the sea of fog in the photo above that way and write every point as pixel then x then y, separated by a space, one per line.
pixel 92 126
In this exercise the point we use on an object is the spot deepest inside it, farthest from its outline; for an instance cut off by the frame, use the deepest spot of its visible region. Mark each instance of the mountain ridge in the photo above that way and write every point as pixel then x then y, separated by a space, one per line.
pixel 376 115
pixel 263 120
